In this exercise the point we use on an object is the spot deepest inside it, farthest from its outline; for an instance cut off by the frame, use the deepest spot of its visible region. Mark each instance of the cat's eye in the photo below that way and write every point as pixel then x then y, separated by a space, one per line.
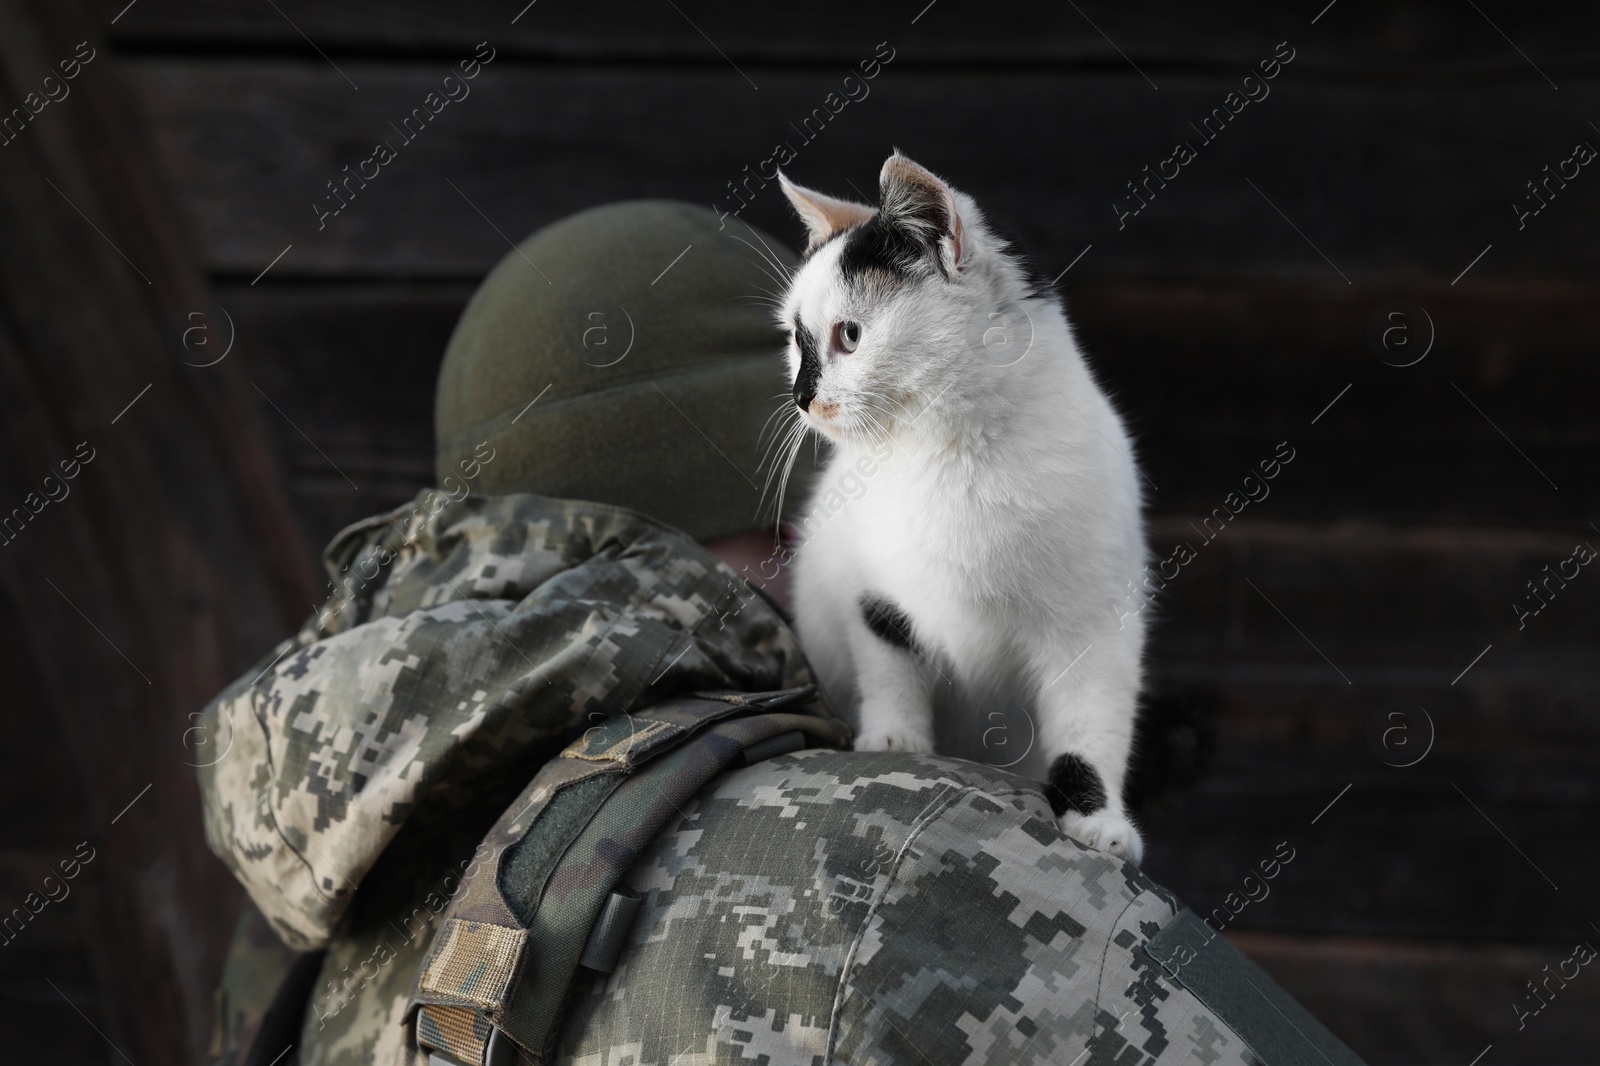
pixel 847 335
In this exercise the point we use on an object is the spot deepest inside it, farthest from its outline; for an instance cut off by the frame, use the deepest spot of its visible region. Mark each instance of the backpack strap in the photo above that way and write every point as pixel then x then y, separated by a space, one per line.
pixel 550 899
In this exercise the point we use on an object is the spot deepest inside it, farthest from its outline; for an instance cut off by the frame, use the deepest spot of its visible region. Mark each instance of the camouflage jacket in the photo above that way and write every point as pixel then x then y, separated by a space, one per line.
pixel 817 908
pixel 463 644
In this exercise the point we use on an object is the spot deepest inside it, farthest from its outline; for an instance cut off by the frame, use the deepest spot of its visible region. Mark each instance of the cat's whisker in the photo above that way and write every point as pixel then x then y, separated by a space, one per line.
pixel 771 472
pixel 786 271
pixel 770 256
pixel 867 420
pixel 772 462
pixel 868 428
pixel 759 264
pixel 781 278
pixel 774 297
pixel 799 439
pixel 901 407
pixel 791 445
pixel 783 461
pixel 887 437
pixel 872 401
pixel 787 408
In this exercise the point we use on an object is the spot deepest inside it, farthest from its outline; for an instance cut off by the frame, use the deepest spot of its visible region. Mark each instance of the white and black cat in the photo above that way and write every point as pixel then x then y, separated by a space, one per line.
pixel 998 538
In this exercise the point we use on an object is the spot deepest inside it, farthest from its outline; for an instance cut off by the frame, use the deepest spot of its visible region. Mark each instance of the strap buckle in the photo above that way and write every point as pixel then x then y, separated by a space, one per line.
pixel 499 1050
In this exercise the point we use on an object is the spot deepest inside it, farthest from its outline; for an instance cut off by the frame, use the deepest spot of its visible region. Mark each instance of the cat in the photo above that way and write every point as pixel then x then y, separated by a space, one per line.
pixel 997 540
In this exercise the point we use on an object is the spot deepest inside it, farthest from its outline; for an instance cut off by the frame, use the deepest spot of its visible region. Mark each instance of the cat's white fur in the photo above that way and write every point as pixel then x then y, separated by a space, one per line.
pixel 1007 522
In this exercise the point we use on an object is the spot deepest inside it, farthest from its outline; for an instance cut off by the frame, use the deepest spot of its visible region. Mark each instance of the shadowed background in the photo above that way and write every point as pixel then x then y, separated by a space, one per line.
pixel 1234 311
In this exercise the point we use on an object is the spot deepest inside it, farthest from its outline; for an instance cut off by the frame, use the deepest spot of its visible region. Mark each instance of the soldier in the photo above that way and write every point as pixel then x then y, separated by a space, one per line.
pixel 545 779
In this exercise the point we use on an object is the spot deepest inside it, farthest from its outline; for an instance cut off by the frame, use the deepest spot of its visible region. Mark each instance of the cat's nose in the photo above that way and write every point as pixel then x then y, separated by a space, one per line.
pixel 805 384
pixel 807 375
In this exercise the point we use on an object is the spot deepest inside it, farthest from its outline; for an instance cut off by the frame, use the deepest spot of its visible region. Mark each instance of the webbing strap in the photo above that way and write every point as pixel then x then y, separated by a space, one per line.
pixel 550 899
pixel 461 1032
pixel 473 965
pixel 1278 1029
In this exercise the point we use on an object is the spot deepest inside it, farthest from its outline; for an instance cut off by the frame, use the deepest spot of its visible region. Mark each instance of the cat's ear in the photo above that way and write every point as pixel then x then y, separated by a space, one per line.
pixel 823 215
pixel 919 203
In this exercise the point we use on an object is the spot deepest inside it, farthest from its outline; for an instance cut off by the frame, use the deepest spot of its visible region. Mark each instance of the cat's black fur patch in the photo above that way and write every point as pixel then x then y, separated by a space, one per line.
pixel 805 382
pixel 1073 785
pixel 879 245
pixel 888 623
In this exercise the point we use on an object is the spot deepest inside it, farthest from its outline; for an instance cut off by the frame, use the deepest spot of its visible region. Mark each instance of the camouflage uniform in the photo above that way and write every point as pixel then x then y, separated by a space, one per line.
pixel 818 907
pixel 884 907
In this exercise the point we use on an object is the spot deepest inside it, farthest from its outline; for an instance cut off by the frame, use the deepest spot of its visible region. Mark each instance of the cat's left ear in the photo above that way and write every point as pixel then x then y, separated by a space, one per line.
pixel 917 201
pixel 823 215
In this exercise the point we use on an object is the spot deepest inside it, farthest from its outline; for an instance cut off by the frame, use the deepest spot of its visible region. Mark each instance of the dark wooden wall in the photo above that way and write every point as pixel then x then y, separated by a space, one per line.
pixel 1226 316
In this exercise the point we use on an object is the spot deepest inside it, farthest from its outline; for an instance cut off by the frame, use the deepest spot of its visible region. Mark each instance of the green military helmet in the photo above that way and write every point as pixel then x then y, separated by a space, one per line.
pixel 630 355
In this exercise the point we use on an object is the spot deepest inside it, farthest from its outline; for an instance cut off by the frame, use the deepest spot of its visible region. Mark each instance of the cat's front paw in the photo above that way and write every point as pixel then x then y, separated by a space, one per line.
pixel 893 738
pixel 1105 830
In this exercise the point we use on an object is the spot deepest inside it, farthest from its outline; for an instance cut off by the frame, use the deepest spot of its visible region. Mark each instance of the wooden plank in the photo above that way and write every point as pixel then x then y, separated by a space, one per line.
pixel 1504 716
pixel 354 368
pixel 41 778
pixel 1387 186
pixel 43 910
pixel 1470 433
pixel 1530 722
pixel 1372 598
pixel 1406 798
pixel 47 979
pixel 1402 1003
pixel 172 564
pixel 50 947
pixel 46 1028
pixel 1397 40
pixel 1399 854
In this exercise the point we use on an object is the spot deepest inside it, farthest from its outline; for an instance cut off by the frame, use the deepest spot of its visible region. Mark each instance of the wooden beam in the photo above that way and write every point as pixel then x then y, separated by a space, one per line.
pixel 1373 179
pixel 150 551
pixel 1397 1001
pixel 1392 42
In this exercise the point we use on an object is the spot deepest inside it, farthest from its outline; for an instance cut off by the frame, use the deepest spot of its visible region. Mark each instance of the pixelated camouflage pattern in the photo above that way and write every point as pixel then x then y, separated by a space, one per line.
pixel 463 638
pixel 857 908
pixel 355 1014
pixel 887 908
pixel 483 960
pixel 615 746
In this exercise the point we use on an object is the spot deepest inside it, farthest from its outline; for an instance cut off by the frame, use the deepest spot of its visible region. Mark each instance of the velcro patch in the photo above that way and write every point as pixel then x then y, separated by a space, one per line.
pixel 474 963
pixel 618 739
